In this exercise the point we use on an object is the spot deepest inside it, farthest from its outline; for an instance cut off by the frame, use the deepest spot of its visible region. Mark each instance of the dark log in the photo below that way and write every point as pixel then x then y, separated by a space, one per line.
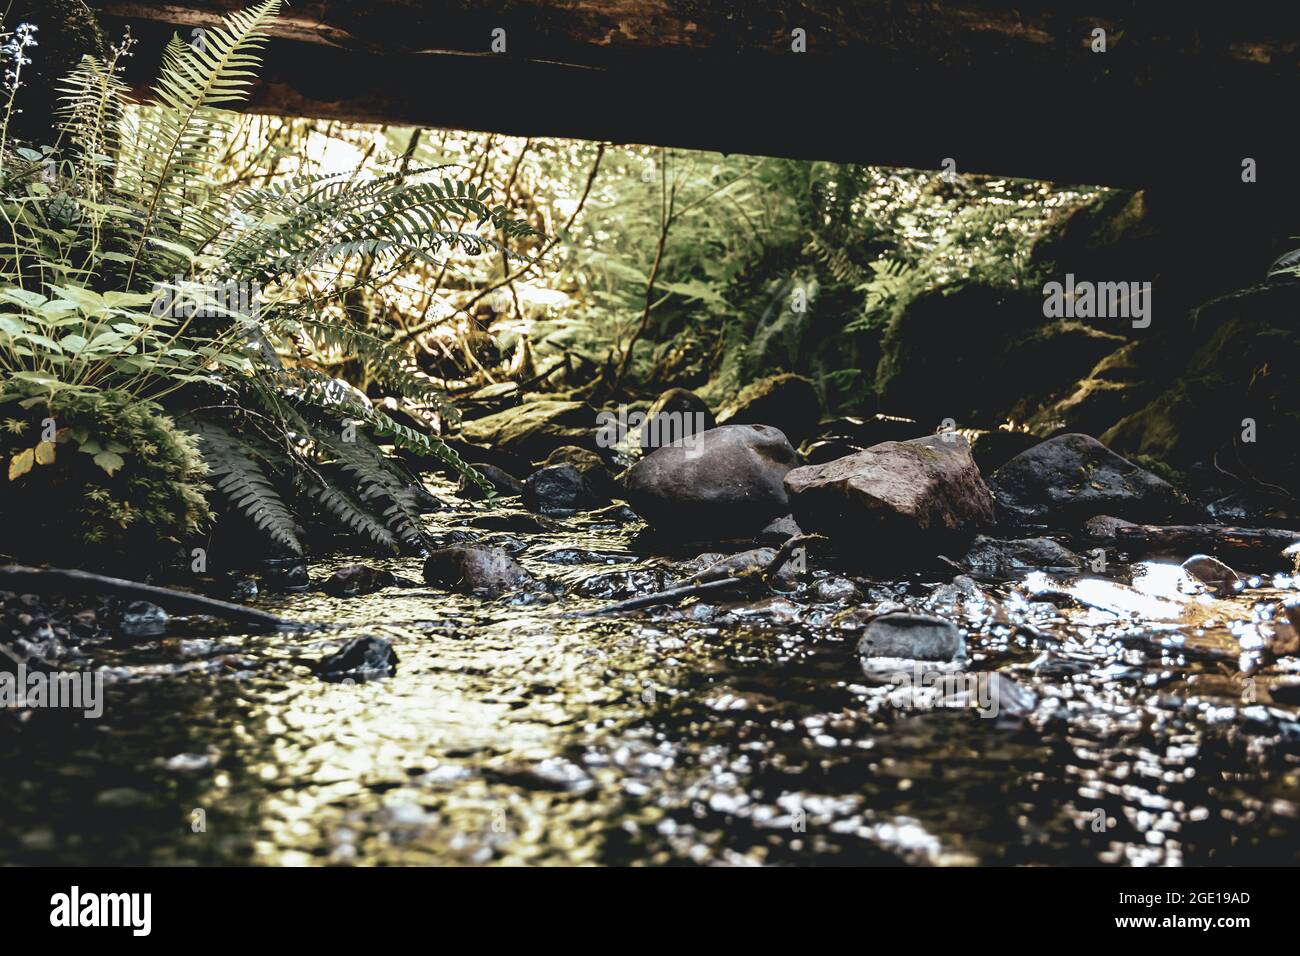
pixel 1227 543
pixel 17 577
pixel 1181 94
pixel 670 596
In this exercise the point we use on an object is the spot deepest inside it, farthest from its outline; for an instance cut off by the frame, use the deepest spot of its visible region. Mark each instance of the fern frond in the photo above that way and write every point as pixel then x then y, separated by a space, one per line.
pixel 354 517
pixel 175 142
pixel 234 473
pixel 378 484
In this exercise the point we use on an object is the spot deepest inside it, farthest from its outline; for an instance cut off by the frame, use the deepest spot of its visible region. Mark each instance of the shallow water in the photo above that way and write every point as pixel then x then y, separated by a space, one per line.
pixel 514 734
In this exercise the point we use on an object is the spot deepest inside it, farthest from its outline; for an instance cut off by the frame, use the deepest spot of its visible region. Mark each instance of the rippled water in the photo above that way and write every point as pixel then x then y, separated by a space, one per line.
pixel 514 734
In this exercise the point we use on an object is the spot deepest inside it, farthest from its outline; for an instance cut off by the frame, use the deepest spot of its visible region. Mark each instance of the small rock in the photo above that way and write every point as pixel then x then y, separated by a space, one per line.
pixel 357 579
pixel 1067 479
pixel 1105 527
pixel 285 574
pixel 360 659
pixel 1212 572
pixel 589 464
pixel 142 619
pixel 243 589
pixel 474 568
pixel 781 529
pixel 559 490
pixel 746 562
pixel 834 590
pixel 725 481
pixel 993 558
pixel 911 637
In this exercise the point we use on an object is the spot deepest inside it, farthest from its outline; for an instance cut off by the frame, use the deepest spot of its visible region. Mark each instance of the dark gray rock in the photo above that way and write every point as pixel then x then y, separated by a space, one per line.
pixel 142 619
pixel 560 490
pixel 1066 480
pixel 1003 695
pixel 896 495
pixel 475 568
pixel 1105 527
pixel 911 637
pixel 753 561
pixel 357 579
pixel 1212 572
pixel 506 484
pixel 589 463
pixel 994 558
pixel 725 481
pixel 361 659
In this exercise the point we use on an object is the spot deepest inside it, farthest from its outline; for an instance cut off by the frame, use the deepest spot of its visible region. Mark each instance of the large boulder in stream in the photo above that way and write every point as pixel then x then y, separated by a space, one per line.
pixel 535 429
pixel 726 481
pixel 894 496
pixel 1066 480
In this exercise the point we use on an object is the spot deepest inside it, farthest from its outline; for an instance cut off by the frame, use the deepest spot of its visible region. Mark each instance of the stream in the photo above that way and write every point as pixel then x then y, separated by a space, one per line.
pixel 709 733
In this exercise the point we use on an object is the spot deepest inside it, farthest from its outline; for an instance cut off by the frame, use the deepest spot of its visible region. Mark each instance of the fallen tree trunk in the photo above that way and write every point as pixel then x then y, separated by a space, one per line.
pixel 1172 97
pixel 17 577
pixel 1225 542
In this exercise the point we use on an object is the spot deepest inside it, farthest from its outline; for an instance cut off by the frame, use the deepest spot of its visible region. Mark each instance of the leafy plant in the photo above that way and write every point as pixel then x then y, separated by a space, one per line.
pixel 128 265
pixel 101 473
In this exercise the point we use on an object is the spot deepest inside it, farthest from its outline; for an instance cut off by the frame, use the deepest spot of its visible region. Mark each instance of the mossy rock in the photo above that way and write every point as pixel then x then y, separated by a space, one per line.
pixel 786 401
pixel 120 487
pixel 981 355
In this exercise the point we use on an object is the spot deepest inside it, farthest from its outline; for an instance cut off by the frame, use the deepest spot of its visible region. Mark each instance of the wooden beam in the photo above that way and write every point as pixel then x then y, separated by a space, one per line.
pixel 1180 95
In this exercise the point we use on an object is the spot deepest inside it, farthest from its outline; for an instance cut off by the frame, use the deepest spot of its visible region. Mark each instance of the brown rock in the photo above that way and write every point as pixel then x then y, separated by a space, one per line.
pixel 896 493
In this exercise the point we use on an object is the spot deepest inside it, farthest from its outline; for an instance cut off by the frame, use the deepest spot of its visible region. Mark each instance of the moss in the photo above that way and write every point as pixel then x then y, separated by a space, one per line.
pixel 124 489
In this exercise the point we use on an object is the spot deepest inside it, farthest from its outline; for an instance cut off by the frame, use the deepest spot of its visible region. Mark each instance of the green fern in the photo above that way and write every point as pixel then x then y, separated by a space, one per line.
pixel 352 516
pixel 237 476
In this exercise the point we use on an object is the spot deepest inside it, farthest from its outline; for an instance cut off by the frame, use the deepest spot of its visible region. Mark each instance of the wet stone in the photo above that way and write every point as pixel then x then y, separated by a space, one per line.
pixel 475 568
pixel 142 619
pixel 505 484
pixel 911 637
pixel 1211 572
pixel 558 490
pixel 994 558
pixel 361 659
pixel 357 579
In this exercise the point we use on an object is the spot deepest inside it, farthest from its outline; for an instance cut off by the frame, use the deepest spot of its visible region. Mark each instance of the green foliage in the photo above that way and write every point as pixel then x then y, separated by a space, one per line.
pixel 130 265
pixel 119 481
pixel 241 479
